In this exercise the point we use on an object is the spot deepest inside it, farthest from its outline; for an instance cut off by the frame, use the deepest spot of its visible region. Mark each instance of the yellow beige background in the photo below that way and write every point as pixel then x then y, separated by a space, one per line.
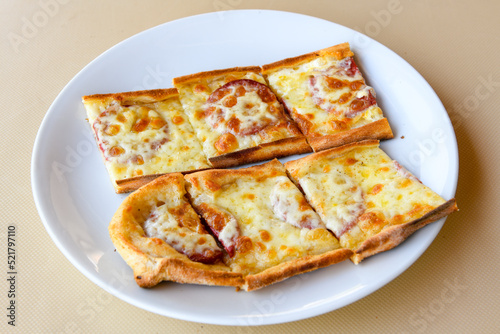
pixel 454 44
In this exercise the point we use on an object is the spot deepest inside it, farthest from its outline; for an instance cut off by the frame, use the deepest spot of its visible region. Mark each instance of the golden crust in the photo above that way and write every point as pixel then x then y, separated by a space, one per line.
pixel 376 130
pixel 295 267
pixel 142 96
pixel 134 183
pixel 276 149
pixel 393 235
pixel 390 236
pixel 134 98
pixel 339 51
pixel 153 261
pixel 177 270
pixel 211 180
pixel 214 73
pixel 295 165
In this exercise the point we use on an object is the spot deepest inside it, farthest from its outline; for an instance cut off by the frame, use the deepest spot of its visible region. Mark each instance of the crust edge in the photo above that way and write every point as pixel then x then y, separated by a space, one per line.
pixel 376 130
pixel 276 149
pixel 212 179
pixel 395 235
pixel 295 267
pixel 214 73
pixel 150 270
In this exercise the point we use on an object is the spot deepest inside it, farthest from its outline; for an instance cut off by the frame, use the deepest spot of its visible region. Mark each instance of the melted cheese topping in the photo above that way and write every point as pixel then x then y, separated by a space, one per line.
pixel 230 230
pixel 145 139
pixel 362 191
pixel 289 205
pixel 164 225
pixel 273 239
pixel 347 200
pixel 313 101
pixel 126 134
pixel 210 130
pixel 249 110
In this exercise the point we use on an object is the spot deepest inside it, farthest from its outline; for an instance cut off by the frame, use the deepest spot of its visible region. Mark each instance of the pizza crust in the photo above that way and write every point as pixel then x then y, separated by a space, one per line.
pixel 276 149
pixel 209 183
pixel 171 108
pixel 393 235
pixel 214 74
pixel 385 237
pixel 141 96
pixel 295 267
pixel 295 165
pixel 377 130
pixel 339 51
pixel 134 183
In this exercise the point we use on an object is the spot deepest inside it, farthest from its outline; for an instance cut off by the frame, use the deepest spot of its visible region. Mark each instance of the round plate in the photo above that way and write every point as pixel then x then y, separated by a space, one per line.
pixel 76 200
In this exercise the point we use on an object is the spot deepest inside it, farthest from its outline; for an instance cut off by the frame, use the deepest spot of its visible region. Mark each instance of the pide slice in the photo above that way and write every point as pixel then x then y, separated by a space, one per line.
pixel 237 118
pixel 259 227
pixel 252 227
pixel 327 96
pixel 161 238
pixel 142 135
pixel 369 201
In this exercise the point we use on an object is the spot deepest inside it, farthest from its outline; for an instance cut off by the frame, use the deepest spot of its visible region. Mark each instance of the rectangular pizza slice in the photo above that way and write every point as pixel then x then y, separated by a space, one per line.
pixel 142 135
pixel 237 117
pixel 268 230
pixel 369 201
pixel 328 98
pixel 160 236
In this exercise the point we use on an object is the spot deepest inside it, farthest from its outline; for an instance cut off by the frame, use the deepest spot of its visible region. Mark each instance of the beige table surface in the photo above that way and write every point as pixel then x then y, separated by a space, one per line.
pixel 454 44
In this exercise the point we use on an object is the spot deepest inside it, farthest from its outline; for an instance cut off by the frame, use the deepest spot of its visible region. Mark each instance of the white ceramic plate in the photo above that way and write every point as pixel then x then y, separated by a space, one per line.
pixel 76 200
